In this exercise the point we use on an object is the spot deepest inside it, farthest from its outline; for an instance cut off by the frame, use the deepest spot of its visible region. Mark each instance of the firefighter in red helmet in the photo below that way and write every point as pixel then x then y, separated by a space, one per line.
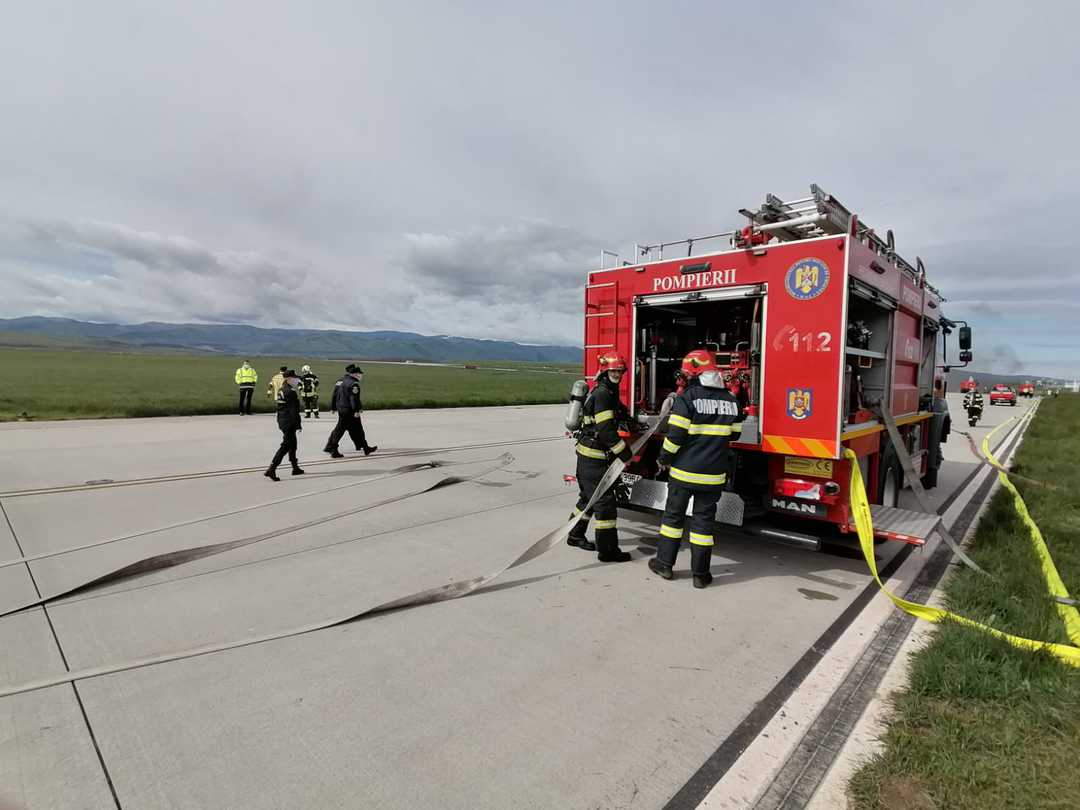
pixel 703 419
pixel 598 445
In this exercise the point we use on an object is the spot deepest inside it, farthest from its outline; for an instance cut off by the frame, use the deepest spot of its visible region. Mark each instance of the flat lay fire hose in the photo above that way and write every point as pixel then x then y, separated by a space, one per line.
pixel 1066 606
pixel 441 593
pixel 860 507
pixel 170 559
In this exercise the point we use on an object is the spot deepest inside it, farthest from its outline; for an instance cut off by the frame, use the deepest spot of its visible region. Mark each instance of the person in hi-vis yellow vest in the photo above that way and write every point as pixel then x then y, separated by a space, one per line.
pixel 246 377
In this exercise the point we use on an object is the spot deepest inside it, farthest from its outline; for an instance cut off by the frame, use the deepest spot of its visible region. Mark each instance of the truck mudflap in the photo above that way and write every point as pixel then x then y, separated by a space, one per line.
pixel 906 525
pixel 649 494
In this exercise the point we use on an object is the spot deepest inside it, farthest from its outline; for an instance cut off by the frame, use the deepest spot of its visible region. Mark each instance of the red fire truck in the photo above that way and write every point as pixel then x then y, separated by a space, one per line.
pixel 818 325
pixel 1027 389
pixel 969 385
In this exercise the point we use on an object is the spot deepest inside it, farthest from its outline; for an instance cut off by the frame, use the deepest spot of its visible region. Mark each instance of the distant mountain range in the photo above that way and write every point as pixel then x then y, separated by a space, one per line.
pixel 252 340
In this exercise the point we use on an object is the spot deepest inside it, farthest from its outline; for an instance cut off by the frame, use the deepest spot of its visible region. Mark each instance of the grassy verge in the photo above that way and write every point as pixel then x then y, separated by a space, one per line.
pixel 983 725
pixel 49 384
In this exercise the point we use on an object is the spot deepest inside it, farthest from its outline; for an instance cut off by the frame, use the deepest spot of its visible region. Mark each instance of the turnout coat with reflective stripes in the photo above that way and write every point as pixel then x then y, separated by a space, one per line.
pixel 600 416
pixel 701 424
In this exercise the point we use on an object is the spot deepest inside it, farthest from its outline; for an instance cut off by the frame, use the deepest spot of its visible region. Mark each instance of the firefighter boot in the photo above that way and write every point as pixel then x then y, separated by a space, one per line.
pixel 660 569
pixel 607 543
pixel 577 536
pixel 297 471
pixel 371 448
pixel 272 474
pixel 667 550
pixel 700 562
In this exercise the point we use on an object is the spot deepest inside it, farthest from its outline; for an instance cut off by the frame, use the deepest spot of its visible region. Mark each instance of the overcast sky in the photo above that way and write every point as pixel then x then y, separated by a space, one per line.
pixel 456 167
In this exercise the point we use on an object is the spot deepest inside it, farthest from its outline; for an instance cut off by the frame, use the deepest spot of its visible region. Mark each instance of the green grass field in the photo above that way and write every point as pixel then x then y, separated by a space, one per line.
pixel 48 384
pixel 983 725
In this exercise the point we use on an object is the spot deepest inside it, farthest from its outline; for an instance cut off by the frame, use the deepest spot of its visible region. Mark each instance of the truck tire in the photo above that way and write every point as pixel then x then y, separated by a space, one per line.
pixel 890 478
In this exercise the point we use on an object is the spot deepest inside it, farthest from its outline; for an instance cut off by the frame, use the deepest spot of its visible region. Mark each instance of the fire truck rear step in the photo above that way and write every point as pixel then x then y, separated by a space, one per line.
pixel 652 495
pixel 893 523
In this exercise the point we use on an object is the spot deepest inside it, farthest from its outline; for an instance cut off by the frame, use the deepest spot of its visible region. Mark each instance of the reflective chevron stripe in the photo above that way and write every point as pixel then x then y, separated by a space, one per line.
pixel 588 452
pixel 701 539
pixel 698 478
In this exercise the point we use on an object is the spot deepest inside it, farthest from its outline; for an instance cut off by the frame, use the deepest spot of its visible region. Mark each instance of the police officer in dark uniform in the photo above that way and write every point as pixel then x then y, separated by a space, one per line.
pixel 288 419
pixel 346 401
pixel 703 419
pixel 598 445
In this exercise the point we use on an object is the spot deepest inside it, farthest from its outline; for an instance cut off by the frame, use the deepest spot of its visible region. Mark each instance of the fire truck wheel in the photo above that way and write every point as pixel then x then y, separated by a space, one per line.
pixel 890 479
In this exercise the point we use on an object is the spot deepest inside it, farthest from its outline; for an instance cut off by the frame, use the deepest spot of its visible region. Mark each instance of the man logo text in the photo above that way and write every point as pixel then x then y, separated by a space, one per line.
pixel 792 506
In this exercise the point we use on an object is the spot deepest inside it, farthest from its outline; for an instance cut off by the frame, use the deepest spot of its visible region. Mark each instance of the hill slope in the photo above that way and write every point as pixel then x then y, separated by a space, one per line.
pixel 253 340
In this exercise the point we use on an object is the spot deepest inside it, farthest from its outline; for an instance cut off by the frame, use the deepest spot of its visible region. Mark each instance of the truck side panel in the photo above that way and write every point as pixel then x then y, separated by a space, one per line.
pixel 804 349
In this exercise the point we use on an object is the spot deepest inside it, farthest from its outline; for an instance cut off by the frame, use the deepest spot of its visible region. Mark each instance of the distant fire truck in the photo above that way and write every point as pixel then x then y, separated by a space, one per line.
pixel 969 385
pixel 818 324
pixel 1027 390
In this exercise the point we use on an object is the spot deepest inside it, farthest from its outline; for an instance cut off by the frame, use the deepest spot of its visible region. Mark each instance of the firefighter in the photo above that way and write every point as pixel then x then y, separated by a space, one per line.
pixel 288 420
pixel 309 392
pixel 973 405
pixel 346 401
pixel 703 419
pixel 275 383
pixel 245 382
pixel 598 444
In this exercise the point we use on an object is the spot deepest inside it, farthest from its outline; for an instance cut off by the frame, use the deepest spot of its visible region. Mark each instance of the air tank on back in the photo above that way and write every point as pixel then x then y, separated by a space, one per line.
pixel 578 392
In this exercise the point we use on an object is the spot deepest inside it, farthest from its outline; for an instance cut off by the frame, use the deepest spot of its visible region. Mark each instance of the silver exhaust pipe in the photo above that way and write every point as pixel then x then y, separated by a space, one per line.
pixel 796 539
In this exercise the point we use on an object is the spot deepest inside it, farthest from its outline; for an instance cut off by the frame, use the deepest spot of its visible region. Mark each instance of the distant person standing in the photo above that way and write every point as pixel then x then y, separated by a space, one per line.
pixel 288 420
pixel 346 401
pixel 275 384
pixel 309 392
pixel 245 381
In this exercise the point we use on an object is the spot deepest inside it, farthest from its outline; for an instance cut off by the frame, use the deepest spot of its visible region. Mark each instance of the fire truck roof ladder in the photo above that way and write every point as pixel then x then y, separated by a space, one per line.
pixel 821 214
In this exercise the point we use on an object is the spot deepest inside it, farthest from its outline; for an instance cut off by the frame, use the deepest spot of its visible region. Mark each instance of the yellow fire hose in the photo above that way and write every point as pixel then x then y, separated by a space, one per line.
pixel 860 507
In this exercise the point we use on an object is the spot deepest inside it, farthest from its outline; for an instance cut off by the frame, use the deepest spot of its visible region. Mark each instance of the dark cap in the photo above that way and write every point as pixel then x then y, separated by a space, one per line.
pixel 290 373
pixel 352 368
pixel 283 369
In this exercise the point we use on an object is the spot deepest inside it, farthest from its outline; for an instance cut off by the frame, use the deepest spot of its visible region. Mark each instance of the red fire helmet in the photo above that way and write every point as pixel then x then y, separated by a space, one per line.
pixel 698 361
pixel 611 361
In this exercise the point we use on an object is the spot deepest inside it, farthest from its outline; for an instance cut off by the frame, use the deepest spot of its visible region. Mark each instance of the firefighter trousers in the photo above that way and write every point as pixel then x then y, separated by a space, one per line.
pixel 702 521
pixel 288 447
pixel 589 473
pixel 346 423
pixel 311 404
pixel 245 398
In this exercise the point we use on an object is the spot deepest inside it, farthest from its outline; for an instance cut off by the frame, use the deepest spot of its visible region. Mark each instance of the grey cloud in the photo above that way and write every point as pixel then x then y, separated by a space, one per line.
pixel 531 262
pixel 149 249
pixel 140 275
pixel 166 253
